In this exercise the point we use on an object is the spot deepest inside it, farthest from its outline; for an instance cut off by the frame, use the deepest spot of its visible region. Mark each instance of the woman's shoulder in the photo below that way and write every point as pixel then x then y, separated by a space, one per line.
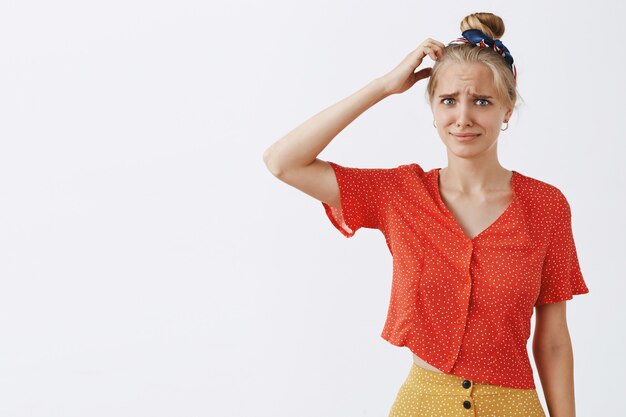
pixel 535 185
pixel 412 169
pixel 539 193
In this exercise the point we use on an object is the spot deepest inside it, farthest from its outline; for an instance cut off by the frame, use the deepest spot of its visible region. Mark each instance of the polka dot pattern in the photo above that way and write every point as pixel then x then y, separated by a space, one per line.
pixel 464 304
pixel 426 393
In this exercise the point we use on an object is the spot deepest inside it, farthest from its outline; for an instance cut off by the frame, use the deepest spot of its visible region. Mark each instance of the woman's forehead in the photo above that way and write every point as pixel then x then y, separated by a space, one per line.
pixel 469 78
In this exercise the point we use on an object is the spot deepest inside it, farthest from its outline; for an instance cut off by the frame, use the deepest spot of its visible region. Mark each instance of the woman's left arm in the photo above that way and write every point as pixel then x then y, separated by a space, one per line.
pixel 554 358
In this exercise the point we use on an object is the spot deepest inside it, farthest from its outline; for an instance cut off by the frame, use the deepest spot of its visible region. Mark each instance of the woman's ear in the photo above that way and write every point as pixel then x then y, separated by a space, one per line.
pixel 508 115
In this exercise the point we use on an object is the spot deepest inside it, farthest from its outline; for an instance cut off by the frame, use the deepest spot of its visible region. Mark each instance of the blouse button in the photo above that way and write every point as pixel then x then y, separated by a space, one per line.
pixel 467 404
pixel 467 384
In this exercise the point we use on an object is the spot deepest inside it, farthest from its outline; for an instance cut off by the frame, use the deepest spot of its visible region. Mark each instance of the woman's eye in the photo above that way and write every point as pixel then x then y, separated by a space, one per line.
pixel 482 102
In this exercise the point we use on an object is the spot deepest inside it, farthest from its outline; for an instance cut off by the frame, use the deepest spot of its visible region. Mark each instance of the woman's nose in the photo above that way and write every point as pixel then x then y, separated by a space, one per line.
pixel 464 115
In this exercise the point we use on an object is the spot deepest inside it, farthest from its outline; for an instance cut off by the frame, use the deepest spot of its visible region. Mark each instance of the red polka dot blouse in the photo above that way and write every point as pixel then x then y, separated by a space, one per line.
pixel 464 305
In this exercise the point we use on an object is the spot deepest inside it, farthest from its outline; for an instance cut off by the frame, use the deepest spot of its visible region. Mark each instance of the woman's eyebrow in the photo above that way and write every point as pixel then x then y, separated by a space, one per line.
pixel 456 93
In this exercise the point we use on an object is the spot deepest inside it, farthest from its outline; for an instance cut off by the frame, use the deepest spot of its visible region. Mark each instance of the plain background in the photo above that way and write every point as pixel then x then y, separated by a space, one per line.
pixel 151 265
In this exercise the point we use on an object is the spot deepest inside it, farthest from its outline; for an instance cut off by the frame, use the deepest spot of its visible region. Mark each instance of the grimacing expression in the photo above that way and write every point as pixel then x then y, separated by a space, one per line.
pixel 466 103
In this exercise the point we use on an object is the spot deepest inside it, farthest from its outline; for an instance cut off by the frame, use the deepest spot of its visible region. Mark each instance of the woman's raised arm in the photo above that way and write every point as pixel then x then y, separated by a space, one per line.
pixel 293 158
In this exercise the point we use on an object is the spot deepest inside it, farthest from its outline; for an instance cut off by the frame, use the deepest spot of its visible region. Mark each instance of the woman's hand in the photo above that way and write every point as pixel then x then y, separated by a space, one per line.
pixel 403 77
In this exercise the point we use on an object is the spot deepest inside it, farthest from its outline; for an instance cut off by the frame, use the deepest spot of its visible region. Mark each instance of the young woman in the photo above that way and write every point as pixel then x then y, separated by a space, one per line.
pixel 477 248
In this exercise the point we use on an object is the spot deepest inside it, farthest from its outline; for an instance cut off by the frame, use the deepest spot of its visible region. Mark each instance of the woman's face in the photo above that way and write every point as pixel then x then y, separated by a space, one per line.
pixel 465 103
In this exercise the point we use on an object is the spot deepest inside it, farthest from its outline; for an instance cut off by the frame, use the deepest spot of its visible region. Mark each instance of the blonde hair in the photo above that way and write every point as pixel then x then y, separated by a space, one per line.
pixel 467 53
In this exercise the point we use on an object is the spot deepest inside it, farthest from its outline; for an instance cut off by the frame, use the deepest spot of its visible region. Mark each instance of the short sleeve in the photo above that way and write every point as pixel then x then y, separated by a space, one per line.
pixel 364 194
pixel 561 275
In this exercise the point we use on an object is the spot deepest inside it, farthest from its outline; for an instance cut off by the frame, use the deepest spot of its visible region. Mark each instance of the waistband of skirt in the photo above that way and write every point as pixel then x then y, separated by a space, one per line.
pixel 431 382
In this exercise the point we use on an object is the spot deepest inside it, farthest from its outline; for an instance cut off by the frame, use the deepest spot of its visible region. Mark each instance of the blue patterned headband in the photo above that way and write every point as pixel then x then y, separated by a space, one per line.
pixel 479 38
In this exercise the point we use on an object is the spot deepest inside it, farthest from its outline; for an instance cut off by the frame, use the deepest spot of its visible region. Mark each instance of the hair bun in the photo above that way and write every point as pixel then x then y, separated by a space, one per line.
pixel 489 23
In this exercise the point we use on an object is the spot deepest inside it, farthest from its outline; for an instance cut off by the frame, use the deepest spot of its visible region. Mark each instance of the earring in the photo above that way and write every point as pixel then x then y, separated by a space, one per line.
pixel 507 126
pixel 434 124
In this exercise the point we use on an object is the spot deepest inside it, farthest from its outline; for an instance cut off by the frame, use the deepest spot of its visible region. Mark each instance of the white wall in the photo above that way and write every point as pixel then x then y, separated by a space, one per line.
pixel 151 265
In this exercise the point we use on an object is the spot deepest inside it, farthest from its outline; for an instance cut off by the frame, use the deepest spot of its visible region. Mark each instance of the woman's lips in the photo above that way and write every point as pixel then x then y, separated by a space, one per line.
pixel 464 137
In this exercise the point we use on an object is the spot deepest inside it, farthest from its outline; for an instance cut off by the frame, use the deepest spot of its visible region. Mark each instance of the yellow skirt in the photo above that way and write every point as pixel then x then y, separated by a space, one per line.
pixel 426 393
